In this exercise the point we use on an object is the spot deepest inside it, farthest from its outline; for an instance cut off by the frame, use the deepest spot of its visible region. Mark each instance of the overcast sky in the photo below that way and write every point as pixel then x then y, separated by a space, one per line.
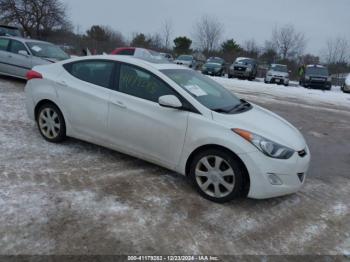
pixel 319 20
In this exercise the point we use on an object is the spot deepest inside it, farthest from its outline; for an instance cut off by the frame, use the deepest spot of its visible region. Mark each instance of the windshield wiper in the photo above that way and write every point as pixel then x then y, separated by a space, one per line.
pixel 243 105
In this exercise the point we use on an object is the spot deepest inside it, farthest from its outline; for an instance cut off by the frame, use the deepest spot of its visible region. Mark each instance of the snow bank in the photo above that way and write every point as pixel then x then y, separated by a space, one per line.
pixel 334 97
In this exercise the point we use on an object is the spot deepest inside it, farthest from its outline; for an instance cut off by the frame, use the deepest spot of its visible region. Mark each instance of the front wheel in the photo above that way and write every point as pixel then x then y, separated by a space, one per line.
pixel 217 175
pixel 51 123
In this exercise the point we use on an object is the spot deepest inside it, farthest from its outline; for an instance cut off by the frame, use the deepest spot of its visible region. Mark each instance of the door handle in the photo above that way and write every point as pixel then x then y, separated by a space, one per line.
pixel 119 104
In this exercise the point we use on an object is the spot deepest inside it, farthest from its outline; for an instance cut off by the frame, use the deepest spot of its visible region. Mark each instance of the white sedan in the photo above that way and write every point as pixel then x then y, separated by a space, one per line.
pixel 171 116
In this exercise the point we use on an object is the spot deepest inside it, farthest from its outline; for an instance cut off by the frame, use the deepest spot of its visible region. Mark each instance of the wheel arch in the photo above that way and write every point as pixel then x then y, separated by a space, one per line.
pixel 43 102
pixel 246 181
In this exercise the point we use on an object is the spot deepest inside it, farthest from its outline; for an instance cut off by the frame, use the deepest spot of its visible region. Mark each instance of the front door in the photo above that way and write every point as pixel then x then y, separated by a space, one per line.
pixel 20 63
pixel 139 124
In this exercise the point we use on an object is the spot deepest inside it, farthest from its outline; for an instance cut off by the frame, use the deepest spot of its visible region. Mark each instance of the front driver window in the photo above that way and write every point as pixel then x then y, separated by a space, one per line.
pixel 136 82
pixel 17 46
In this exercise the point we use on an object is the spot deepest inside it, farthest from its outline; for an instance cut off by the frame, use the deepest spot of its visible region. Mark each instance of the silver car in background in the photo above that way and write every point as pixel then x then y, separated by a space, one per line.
pixel 277 74
pixel 346 86
pixel 19 55
pixel 186 60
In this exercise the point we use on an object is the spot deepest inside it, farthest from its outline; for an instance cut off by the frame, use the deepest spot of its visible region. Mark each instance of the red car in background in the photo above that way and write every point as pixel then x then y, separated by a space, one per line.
pixel 125 51
pixel 141 53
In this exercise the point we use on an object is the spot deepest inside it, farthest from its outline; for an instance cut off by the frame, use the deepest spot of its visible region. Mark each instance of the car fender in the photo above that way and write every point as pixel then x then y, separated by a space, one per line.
pixel 203 132
pixel 38 90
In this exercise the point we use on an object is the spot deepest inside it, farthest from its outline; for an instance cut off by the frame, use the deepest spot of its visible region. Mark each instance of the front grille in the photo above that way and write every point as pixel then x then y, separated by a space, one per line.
pixel 301 177
pixel 302 153
pixel 238 68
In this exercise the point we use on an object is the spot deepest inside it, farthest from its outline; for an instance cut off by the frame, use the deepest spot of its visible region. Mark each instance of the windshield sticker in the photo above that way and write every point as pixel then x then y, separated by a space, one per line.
pixel 196 90
pixel 36 48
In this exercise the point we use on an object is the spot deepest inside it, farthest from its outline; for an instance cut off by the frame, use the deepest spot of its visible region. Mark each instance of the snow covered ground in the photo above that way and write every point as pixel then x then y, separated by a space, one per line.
pixel 77 198
pixel 332 98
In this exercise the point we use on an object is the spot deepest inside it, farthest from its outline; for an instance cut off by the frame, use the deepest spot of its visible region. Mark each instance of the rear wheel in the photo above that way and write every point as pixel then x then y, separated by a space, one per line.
pixel 217 175
pixel 51 123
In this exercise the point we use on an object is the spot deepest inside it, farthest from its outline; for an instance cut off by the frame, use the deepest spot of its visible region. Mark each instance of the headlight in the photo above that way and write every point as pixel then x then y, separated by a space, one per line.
pixel 249 68
pixel 265 145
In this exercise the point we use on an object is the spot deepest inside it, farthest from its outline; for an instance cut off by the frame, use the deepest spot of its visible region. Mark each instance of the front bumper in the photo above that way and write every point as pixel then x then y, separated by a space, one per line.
pixel 292 174
pixel 212 72
pixel 318 84
pixel 238 73
pixel 277 80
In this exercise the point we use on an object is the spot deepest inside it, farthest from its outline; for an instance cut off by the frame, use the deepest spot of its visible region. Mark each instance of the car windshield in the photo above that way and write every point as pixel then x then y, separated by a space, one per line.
pixel 46 50
pixel 150 56
pixel 245 61
pixel 185 57
pixel 205 90
pixel 215 60
pixel 6 31
pixel 320 71
pixel 279 68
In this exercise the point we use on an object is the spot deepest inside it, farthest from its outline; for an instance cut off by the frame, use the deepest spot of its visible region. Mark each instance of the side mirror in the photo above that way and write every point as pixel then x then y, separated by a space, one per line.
pixel 170 101
pixel 23 52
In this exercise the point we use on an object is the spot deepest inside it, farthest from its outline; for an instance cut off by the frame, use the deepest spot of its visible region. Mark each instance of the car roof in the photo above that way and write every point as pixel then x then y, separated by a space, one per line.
pixel 318 66
pixel 278 65
pixel 9 27
pixel 24 40
pixel 244 58
pixel 129 59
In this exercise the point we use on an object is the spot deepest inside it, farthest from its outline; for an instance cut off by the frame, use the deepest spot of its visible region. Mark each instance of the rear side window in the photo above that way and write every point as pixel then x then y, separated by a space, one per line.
pixel 95 72
pixel 4 43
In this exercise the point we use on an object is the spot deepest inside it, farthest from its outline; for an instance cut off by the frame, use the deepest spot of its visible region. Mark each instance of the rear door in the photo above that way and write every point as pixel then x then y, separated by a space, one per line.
pixel 84 90
pixel 20 64
pixel 4 55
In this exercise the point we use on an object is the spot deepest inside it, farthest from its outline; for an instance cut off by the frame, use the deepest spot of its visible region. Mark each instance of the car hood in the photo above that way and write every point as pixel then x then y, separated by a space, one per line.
pixel 278 73
pixel 264 123
pixel 316 76
pixel 185 62
pixel 240 65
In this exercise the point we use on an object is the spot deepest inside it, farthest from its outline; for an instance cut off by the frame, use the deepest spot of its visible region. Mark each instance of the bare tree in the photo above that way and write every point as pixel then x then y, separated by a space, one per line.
pixel 207 33
pixel 288 42
pixel 167 32
pixel 35 16
pixel 251 48
pixel 337 51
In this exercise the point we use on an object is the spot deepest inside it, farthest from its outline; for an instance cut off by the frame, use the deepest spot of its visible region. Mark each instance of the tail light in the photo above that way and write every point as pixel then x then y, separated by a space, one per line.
pixel 33 75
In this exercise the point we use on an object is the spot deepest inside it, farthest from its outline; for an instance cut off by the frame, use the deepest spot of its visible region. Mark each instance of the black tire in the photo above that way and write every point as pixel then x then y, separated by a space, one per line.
pixel 229 76
pixel 236 180
pixel 56 133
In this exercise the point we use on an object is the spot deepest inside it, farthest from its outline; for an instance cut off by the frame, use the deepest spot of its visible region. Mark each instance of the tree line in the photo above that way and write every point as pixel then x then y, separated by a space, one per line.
pixel 48 20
